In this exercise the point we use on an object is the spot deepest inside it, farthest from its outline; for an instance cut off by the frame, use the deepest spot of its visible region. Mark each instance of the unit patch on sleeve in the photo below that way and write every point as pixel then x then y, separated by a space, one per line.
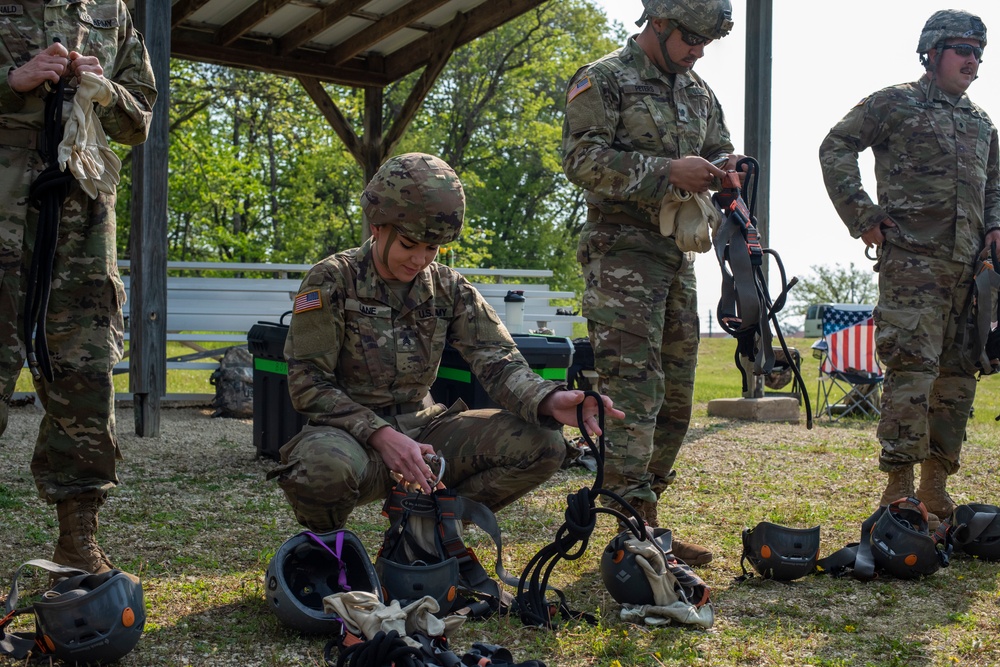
pixel 581 85
pixel 307 301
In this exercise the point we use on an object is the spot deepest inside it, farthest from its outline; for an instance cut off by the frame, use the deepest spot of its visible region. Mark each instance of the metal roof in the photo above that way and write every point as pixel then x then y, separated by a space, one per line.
pixel 350 42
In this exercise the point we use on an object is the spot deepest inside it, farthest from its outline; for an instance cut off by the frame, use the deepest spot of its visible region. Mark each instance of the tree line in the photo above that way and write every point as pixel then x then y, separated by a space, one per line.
pixel 257 174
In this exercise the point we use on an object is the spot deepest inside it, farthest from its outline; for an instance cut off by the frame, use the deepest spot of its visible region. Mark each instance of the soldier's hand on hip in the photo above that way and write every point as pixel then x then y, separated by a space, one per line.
pixel 693 173
pixel 875 236
pixel 49 65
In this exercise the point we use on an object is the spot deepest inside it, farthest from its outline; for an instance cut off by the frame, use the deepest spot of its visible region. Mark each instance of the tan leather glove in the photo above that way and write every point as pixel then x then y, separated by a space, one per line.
pixel 668 604
pixel 689 217
pixel 668 209
pixel 365 616
pixel 84 149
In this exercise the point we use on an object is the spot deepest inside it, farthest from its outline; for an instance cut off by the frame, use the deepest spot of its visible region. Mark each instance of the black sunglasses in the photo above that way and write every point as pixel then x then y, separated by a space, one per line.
pixel 694 39
pixel 965 50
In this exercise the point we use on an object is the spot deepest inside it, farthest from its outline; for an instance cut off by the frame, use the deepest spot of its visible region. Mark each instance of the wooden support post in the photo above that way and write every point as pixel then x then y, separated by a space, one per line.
pixel 148 290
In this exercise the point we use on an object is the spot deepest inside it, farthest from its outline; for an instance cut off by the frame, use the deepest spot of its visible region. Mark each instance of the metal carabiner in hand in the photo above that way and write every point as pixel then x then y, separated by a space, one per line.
pixel 432 460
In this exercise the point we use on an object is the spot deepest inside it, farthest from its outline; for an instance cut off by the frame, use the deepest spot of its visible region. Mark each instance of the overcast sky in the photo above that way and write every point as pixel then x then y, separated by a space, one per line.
pixel 826 58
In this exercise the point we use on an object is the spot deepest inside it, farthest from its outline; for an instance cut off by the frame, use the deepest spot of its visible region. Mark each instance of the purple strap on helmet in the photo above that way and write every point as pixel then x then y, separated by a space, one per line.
pixel 342 570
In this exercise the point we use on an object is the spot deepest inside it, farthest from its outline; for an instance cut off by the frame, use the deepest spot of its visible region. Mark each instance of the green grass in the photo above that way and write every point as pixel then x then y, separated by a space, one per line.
pixel 196 518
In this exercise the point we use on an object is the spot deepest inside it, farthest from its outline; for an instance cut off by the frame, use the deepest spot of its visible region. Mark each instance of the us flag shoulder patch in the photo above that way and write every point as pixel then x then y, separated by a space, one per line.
pixel 581 85
pixel 307 301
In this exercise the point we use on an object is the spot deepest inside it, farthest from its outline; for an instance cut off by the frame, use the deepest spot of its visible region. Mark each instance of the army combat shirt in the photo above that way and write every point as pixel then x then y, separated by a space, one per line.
pixel 625 121
pixel 101 28
pixel 936 164
pixel 354 347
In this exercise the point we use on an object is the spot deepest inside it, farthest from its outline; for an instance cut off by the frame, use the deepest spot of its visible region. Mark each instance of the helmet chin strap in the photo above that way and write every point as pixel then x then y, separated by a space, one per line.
pixel 662 37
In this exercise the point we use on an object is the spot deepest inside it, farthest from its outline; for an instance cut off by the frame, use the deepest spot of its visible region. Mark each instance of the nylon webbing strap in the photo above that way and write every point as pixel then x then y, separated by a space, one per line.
pixel 986 282
pixel 19 644
pixel 47 193
pixel 341 569
pixel 971 530
pixel 856 556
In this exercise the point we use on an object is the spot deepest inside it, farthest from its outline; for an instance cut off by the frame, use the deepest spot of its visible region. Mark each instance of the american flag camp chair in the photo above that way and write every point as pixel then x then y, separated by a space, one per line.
pixel 850 377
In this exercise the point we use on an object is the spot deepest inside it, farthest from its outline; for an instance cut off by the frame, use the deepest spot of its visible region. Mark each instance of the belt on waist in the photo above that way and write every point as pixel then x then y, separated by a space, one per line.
pixel 19 138
pixel 626 219
pixel 398 409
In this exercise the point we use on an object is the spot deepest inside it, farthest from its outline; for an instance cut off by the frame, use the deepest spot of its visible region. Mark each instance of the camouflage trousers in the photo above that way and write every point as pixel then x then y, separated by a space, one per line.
pixel 491 456
pixel 640 301
pixel 76 449
pixel 927 395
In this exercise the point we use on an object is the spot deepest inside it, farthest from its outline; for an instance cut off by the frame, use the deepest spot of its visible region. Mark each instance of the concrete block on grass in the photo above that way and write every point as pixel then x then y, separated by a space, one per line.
pixel 767 409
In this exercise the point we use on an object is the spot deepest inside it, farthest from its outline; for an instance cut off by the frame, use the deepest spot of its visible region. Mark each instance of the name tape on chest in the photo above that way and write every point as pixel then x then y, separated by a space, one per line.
pixel 307 301
pixel 643 89
pixel 11 10
pixel 582 85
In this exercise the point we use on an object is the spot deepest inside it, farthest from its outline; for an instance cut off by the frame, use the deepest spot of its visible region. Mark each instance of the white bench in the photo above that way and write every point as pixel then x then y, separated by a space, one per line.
pixel 223 309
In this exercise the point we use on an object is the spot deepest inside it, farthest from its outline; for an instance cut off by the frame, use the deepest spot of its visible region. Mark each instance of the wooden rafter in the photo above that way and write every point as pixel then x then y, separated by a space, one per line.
pixel 197 46
pixel 481 20
pixel 334 116
pixel 318 22
pixel 183 9
pixel 384 27
pixel 247 19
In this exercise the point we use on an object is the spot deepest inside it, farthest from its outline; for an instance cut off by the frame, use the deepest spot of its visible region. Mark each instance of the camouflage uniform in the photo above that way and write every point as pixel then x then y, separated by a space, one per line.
pixel 76 448
pixel 936 162
pixel 359 359
pixel 625 121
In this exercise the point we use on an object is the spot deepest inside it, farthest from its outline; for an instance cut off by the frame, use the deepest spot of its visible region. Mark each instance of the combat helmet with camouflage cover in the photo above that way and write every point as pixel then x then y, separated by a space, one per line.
pixel 712 19
pixel 419 195
pixel 951 24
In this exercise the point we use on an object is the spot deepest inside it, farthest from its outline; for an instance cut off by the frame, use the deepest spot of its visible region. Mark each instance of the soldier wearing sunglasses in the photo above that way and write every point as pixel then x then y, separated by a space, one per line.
pixel 638 121
pixel 938 174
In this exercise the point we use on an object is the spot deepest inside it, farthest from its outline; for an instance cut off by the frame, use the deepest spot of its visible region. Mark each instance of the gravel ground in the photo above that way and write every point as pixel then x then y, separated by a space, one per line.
pixel 196 519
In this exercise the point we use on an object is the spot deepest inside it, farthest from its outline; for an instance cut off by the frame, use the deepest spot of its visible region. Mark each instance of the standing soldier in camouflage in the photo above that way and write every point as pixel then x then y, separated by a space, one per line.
pixel 639 121
pixel 45 43
pixel 936 163
pixel 368 329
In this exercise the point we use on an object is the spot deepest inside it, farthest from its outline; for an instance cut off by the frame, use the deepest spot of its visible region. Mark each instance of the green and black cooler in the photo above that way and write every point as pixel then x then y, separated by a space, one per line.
pixel 275 421
pixel 549 356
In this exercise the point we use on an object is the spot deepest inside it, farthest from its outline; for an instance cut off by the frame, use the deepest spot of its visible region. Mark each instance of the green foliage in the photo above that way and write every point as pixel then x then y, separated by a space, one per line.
pixel 258 175
pixel 834 284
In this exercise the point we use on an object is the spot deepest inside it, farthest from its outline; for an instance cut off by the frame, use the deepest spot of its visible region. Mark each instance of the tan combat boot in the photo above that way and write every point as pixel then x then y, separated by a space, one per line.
pixel 77 546
pixel 900 485
pixel 932 492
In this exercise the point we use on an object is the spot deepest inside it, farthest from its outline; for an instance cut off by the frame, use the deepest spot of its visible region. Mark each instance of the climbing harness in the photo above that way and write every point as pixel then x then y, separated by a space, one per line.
pixel 982 351
pixel 423 552
pixel 745 309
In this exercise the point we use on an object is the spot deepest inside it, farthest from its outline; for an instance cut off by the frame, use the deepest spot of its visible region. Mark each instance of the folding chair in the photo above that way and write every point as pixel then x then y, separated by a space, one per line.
pixel 850 377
